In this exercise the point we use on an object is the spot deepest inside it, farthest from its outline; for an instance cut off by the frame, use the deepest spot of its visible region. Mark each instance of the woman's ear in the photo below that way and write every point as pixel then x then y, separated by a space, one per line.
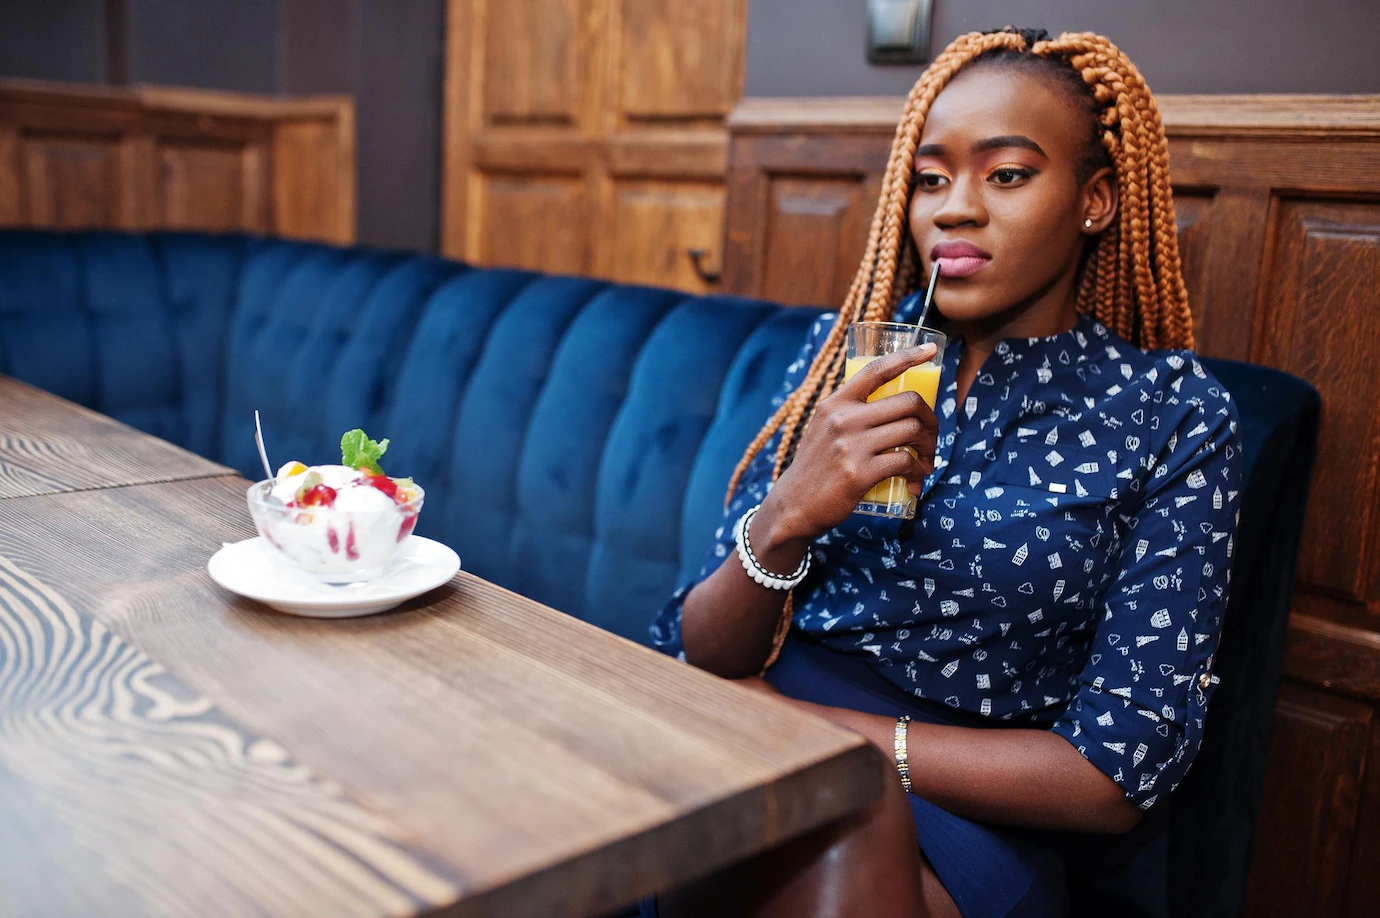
pixel 1098 201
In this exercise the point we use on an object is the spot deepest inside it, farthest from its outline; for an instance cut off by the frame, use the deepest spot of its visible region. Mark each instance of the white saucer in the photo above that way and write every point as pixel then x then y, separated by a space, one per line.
pixel 253 569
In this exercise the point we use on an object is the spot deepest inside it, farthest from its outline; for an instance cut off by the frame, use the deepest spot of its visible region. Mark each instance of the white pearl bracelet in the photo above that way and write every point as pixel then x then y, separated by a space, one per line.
pixel 754 568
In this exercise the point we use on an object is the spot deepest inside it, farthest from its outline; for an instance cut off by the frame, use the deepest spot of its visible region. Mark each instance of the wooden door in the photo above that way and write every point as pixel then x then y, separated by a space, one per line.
pixel 587 136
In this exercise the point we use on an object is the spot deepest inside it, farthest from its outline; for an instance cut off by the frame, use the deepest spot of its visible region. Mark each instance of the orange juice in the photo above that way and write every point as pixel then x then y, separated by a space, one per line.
pixel 923 380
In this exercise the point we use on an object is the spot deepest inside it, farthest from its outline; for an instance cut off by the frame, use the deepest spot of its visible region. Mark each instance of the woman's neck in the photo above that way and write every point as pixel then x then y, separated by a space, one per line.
pixel 1050 312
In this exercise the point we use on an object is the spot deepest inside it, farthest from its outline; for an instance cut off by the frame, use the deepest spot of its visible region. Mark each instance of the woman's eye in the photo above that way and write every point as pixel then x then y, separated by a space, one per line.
pixel 930 179
pixel 1010 175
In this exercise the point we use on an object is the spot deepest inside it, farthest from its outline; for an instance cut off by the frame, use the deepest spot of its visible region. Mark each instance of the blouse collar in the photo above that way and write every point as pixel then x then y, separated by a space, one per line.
pixel 1088 336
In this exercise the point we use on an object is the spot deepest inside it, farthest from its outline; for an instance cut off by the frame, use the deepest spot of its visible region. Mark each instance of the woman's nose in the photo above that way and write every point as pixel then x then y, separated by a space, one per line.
pixel 961 204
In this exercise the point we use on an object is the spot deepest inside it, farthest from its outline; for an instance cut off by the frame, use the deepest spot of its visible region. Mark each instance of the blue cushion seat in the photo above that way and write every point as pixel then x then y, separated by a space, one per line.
pixel 575 438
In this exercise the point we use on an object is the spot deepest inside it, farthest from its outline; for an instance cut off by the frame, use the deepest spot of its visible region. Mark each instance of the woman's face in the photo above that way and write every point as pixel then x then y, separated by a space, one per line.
pixel 998 202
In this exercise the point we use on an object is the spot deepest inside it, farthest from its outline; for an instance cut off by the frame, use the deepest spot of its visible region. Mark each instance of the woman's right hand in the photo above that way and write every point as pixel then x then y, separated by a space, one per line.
pixel 850 445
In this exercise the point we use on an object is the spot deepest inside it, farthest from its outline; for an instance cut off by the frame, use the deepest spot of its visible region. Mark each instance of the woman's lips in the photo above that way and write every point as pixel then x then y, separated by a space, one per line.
pixel 957 258
pixel 961 266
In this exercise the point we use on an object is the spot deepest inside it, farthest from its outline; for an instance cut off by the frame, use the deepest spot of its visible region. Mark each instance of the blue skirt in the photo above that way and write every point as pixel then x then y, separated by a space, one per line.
pixel 990 871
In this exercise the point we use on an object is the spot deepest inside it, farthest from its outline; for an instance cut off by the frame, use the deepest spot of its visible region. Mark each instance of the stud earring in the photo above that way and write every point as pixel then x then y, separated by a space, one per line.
pixel 1087 223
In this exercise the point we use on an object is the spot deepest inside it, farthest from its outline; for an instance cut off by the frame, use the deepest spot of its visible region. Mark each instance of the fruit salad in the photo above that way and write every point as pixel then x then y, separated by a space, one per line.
pixel 340 523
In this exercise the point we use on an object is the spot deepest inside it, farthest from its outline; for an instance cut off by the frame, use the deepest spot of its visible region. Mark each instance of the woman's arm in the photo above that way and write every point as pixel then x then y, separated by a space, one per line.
pixel 1019 777
pixel 728 619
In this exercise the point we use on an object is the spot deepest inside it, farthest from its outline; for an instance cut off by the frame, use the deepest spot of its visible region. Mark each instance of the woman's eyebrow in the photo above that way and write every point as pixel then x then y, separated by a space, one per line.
pixel 1001 142
pixel 1005 141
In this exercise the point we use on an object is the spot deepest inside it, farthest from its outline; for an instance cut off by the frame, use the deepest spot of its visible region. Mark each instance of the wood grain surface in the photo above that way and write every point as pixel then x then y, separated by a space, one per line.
pixel 127 793
pixel 474 739
pixel 49 445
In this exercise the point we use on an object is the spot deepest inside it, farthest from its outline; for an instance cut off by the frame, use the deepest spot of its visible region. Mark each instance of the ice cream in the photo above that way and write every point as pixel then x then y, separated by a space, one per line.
pixel 340 523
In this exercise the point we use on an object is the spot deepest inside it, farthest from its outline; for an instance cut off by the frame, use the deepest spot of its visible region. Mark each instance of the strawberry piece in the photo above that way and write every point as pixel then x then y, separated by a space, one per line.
pixel 317 496
pixel 333 539
pixel 383 483
pixel 351 550
pixel 409 523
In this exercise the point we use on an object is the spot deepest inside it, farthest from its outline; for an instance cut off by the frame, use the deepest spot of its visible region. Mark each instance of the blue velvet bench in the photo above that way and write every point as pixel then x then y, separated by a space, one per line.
pixel 575 437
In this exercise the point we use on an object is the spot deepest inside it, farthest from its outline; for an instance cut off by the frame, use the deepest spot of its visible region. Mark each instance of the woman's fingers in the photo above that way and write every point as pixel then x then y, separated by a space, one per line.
pixel 896 407
pixel 901 462
pixel 883 370
pixel 902 432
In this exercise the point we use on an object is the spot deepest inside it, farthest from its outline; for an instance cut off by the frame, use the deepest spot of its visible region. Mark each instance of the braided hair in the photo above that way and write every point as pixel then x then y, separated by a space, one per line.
pixel 1131 279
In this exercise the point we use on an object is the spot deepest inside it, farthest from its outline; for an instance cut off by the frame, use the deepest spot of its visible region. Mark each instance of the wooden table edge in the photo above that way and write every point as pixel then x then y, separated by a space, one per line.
pixel 852 778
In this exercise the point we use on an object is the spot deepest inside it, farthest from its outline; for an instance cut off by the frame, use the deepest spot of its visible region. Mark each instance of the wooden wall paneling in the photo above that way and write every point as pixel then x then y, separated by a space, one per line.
pixel 1322 292
pixel 746 191
pixel 1308 817
pixel 815 231
pixel 75 181
pixel 1192 208
pixel 152 157
pixel 680 60
pixel 11 180
pixel 312 166
pixel 1341 658
pixel 460 108
pixel 204 186
pixel 1364 891
pixel 655 222
pixel 534 63
pixel 534 222
pixel 522 79
pixel 1229 271
pixel 596 109
pixel 788 188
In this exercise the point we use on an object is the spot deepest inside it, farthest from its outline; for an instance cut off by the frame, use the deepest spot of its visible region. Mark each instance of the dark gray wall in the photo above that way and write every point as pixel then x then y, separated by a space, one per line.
pixel 817 47
pixel 387 54
pixel 205 43
pixel 53 39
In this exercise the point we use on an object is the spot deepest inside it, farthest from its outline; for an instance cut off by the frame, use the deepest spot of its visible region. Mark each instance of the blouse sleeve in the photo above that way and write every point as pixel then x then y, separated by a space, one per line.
pixel 1142 697
pixel 751 490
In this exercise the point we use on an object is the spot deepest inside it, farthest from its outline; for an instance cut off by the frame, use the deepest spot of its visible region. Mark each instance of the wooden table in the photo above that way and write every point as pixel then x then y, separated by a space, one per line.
pixel 49 445
pixel 167 748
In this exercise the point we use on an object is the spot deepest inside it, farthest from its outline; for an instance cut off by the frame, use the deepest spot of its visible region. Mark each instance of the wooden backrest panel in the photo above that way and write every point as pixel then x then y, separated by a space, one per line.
pixel 94 157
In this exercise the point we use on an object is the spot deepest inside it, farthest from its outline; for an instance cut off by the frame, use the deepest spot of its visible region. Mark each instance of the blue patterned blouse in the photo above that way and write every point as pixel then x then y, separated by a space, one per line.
pixel 1069 561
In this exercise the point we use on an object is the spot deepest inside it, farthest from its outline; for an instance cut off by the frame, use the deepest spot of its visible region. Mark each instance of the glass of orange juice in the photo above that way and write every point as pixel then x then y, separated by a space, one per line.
pixel 866 342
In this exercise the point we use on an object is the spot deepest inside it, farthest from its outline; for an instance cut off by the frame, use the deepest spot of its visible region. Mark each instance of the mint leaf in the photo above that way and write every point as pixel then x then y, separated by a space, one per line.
pixel 357 451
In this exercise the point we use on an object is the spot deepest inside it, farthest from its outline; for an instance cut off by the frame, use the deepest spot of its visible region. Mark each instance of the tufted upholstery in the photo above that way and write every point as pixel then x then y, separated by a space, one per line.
pixel 575 438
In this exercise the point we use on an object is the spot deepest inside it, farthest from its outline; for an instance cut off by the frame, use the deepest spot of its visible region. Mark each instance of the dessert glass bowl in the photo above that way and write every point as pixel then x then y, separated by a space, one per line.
pixel 332 544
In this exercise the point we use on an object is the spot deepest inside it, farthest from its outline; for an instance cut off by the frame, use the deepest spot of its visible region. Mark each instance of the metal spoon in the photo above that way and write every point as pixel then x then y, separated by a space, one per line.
pixel 259 441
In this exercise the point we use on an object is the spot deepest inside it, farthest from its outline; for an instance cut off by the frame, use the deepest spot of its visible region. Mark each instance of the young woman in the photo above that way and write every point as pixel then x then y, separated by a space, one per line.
pixel 1036 646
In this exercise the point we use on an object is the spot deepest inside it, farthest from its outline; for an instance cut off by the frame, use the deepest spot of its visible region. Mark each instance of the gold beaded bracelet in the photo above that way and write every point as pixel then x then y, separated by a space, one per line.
pixel 902 753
